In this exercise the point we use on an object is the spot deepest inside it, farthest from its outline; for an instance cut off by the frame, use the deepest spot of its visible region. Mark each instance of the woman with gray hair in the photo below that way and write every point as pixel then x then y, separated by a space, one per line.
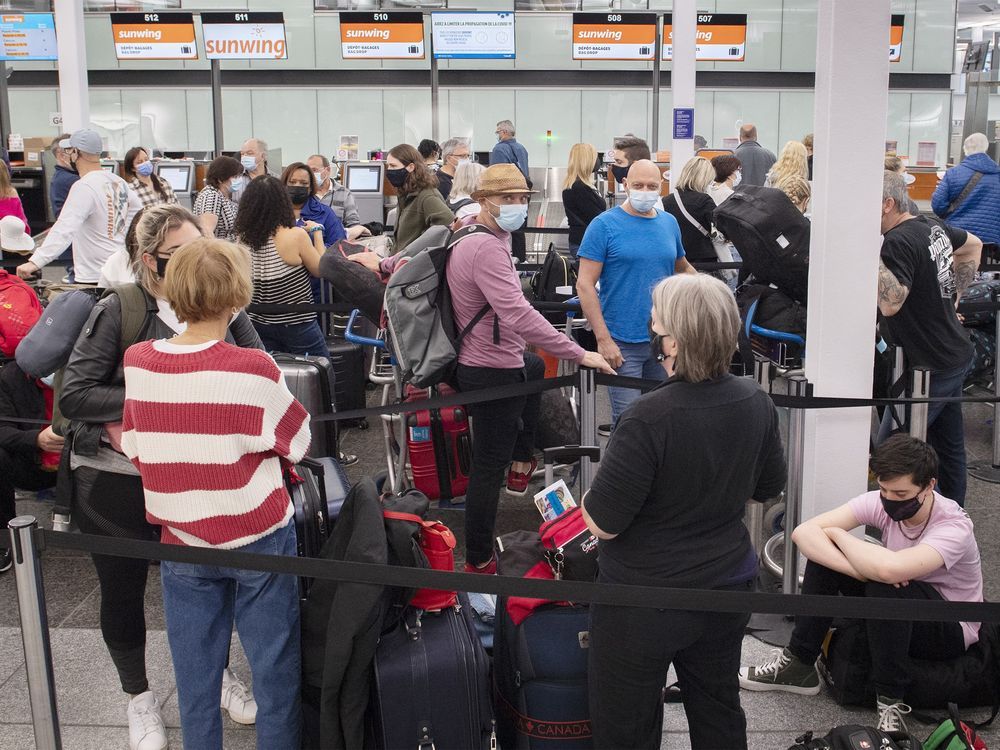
pixel 667 504
pixel 466 182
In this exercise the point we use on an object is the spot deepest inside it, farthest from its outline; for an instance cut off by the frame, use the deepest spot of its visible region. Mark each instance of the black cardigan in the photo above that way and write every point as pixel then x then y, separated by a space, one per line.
pixel 20 396
pixel 582 205
pixel 697 247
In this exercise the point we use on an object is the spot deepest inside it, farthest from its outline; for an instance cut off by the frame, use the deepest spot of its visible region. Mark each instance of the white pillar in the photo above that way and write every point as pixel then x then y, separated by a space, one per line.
pixel 852 82
pixel 682 79
pixel 74 102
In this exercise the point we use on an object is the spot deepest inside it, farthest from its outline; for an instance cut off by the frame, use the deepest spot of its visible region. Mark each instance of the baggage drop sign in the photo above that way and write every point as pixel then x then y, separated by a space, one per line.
pixel 614 36
pixel 382 36
pixel 896 38
pixel 154 36
pixel 244 36
pixel 721 37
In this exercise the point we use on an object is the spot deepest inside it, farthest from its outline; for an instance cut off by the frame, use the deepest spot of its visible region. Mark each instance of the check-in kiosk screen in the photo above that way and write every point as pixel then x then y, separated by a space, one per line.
pixel 177 176
pixel 364 179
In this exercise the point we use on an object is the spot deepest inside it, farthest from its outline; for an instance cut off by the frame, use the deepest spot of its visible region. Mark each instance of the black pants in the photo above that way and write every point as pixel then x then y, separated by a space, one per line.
pixel 518 244
pixel 19 471
pixel 113 505
pixel 502 430
pixel 631 649
pixel 891 642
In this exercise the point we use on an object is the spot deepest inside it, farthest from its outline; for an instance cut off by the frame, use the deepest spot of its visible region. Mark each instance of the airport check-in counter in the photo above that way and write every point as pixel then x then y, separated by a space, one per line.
pixel 366 181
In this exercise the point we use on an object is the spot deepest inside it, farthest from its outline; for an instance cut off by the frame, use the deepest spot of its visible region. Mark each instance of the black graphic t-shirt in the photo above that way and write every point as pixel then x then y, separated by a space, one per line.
pixel 919 252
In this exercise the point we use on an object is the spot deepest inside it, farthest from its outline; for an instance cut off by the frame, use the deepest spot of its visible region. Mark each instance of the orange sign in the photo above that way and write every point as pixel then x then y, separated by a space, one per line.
pixel 896 38
pixel 154 36
pixel 614 36
pixel 720 37
pixel 383 36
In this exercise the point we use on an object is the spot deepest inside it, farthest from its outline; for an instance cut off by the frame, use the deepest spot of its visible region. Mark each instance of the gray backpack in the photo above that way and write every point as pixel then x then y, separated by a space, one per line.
pixel 421 327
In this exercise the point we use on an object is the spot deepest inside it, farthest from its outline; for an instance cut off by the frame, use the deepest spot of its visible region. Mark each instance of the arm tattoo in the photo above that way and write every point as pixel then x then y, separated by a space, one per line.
pixel 891 294
pixel 965 274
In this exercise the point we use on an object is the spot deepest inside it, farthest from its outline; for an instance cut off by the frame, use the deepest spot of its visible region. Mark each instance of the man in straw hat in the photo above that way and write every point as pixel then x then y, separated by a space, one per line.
pixel 481 272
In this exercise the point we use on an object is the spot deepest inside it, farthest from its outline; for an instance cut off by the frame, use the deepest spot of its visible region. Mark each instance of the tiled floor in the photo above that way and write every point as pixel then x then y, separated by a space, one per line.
pixel 92 709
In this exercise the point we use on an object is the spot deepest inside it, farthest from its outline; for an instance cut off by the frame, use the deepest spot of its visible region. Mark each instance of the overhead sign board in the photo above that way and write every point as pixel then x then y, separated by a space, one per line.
pixel 28 36
pixel 896 37
pixel 154 36
pixel 385 36
pixel 614 36
pixel 244 36
pixel 473 35
pixel 721 37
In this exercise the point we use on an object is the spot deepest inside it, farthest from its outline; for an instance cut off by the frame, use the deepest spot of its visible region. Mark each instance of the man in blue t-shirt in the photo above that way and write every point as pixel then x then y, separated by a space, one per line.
pixel 629 249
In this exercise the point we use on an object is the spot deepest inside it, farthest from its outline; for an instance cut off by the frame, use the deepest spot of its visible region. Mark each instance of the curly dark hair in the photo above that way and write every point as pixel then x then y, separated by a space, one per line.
pixel 421 177
pixel 128 170
pixel 221 169
pixel 427 147
pixel 264 208
pixel 725 165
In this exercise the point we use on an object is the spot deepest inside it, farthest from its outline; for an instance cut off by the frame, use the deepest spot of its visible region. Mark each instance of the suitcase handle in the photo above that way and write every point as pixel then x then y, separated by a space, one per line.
pixel 565 453
pixel 354 338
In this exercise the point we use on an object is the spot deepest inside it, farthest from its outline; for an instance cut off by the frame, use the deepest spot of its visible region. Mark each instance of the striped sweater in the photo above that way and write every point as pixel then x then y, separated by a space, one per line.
pixel 207 430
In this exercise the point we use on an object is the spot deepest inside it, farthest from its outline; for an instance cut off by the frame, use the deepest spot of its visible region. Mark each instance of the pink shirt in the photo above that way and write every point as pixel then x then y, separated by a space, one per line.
pixel 950 532
pixel 12 207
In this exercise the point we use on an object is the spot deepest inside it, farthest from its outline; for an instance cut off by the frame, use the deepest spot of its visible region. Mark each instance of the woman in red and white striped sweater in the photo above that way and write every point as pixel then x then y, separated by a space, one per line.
pixel 208 424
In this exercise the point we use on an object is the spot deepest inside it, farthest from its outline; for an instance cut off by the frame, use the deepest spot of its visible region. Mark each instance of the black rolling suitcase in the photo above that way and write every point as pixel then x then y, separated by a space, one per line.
pixel 311 381
pixel 350 377
pixel 318 488
pixel 432 684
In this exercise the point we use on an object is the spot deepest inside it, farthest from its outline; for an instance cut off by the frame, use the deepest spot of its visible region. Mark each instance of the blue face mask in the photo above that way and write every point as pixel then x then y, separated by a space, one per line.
pixel 249 163
pixel 512 216
pixel 145 169
pixel 643 200
pixel 237 183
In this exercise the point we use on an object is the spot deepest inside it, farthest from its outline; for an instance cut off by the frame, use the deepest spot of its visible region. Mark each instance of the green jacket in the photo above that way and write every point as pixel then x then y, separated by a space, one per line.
pixel 417 212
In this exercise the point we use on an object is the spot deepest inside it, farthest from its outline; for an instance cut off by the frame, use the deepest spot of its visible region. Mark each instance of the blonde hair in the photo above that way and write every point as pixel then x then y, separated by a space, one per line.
pixel 798 191
pixel 893 164
pixel 699 312
pixel 6 188
pixel 807 141
pixel 151 230
pixel 582 158
pixel 208 278
pixel 792 162
pixel 466 179
pixel 696 175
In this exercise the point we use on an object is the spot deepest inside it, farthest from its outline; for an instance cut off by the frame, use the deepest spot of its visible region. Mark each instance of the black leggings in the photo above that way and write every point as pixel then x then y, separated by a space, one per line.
pixel 111 504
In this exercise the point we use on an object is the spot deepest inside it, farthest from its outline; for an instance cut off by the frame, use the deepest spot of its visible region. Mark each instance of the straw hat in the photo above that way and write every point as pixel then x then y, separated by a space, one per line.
pixel 502 179
pixel 13 236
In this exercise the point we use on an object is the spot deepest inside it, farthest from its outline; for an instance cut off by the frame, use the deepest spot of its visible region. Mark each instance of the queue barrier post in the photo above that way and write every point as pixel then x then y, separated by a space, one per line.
pixel 588 423
pixel 920 387
pixel 753 515
pixel 989 471
pixel 35 633
pixel 798 386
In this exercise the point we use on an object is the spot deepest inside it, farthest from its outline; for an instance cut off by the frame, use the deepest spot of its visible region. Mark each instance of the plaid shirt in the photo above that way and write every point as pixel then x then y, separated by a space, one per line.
pixel 148 194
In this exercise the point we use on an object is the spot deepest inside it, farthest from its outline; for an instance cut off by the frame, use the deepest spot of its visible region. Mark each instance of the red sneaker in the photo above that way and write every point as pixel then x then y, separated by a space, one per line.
pixel 489 569
pixel 517 482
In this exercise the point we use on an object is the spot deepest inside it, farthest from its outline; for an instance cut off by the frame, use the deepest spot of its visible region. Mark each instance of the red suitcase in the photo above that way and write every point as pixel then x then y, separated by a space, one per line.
pixel 440 446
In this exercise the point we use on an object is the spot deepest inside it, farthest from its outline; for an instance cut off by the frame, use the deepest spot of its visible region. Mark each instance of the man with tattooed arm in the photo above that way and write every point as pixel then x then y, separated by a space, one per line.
pixel 924 268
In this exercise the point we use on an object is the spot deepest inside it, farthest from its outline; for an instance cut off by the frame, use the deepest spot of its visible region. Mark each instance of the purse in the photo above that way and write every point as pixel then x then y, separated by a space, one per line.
pixel 570 548
pixel 437 542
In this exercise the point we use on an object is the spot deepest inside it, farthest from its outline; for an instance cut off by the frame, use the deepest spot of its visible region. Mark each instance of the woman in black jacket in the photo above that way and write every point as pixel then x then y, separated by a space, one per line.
pixel 581 200
pixel 695 218
pixel 107 490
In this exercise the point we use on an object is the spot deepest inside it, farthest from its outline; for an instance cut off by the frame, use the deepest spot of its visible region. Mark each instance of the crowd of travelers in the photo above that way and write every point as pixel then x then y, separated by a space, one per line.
pixel 170 421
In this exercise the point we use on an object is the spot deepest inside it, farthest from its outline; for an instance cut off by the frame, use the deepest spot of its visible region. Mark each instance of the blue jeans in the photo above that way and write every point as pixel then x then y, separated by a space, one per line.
pixel 297 338
pixel 201 602
pixel 945 432
pixel 638 363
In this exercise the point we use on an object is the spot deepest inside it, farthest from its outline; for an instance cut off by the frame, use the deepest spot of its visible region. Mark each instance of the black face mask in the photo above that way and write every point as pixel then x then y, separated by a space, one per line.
pixel 396 177
pixel 620 173
pixel 298 194
pixel 655 343
pixel 161 266
pixel 901 510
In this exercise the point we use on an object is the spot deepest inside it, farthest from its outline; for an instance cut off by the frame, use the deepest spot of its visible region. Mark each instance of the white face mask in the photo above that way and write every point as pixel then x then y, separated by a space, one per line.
pixel 319 178
pixel 738 179
pixel 236 184
pixel 643 200
pixel 512 215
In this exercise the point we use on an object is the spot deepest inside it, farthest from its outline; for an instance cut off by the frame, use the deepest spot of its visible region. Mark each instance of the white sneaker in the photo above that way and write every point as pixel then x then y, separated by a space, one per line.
pixel 145 725
pixel 237 699
pixel 890 715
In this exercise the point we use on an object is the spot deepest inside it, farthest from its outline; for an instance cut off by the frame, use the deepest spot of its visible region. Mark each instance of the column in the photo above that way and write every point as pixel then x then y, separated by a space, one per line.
pixel 682 80
pixel 74 102
pixel 852 81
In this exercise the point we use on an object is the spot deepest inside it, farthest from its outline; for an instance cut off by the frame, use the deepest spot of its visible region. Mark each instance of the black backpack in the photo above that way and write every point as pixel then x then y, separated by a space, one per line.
pixel 558 270
pixel 857 737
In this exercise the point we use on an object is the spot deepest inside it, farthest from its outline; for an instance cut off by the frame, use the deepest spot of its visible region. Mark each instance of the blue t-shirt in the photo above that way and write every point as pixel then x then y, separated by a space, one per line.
pixel 637 253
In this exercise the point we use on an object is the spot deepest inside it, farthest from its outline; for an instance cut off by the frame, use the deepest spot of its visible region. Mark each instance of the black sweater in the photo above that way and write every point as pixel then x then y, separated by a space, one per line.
pixel 697 246
pixel 582 205
pixel 20 396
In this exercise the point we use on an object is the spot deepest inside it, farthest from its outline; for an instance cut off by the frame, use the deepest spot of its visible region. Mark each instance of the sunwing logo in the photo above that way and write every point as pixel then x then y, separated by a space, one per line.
pixel 382 34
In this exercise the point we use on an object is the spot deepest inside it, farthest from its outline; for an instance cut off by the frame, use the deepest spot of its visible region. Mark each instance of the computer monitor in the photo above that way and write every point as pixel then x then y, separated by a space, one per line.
pixel 109 165
pixel 364 178
pixel 976 56
pixel 179 175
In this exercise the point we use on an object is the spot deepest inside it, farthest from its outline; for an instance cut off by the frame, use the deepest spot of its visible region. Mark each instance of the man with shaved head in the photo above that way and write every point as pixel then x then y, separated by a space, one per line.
pixel 629 249
pixel 756 160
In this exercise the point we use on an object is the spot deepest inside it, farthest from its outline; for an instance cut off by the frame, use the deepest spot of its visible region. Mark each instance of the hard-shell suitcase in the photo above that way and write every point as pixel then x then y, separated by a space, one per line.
pixel 311 381
pixel 317 488
pixel 440 446
pixel 350 377
pixel 432 684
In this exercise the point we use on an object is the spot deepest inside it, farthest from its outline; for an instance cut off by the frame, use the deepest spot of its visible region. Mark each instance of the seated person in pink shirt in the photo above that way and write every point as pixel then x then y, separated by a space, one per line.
pixel 929 553
pixel 481 272
pixel 208 425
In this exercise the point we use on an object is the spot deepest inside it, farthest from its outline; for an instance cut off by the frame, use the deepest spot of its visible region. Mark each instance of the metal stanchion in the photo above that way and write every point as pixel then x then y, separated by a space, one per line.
pixel 35 633
pixel 989 471
pixel 588 423
pixel 920 388
pixel 753 516
pixel 763 372
pixel 798 386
